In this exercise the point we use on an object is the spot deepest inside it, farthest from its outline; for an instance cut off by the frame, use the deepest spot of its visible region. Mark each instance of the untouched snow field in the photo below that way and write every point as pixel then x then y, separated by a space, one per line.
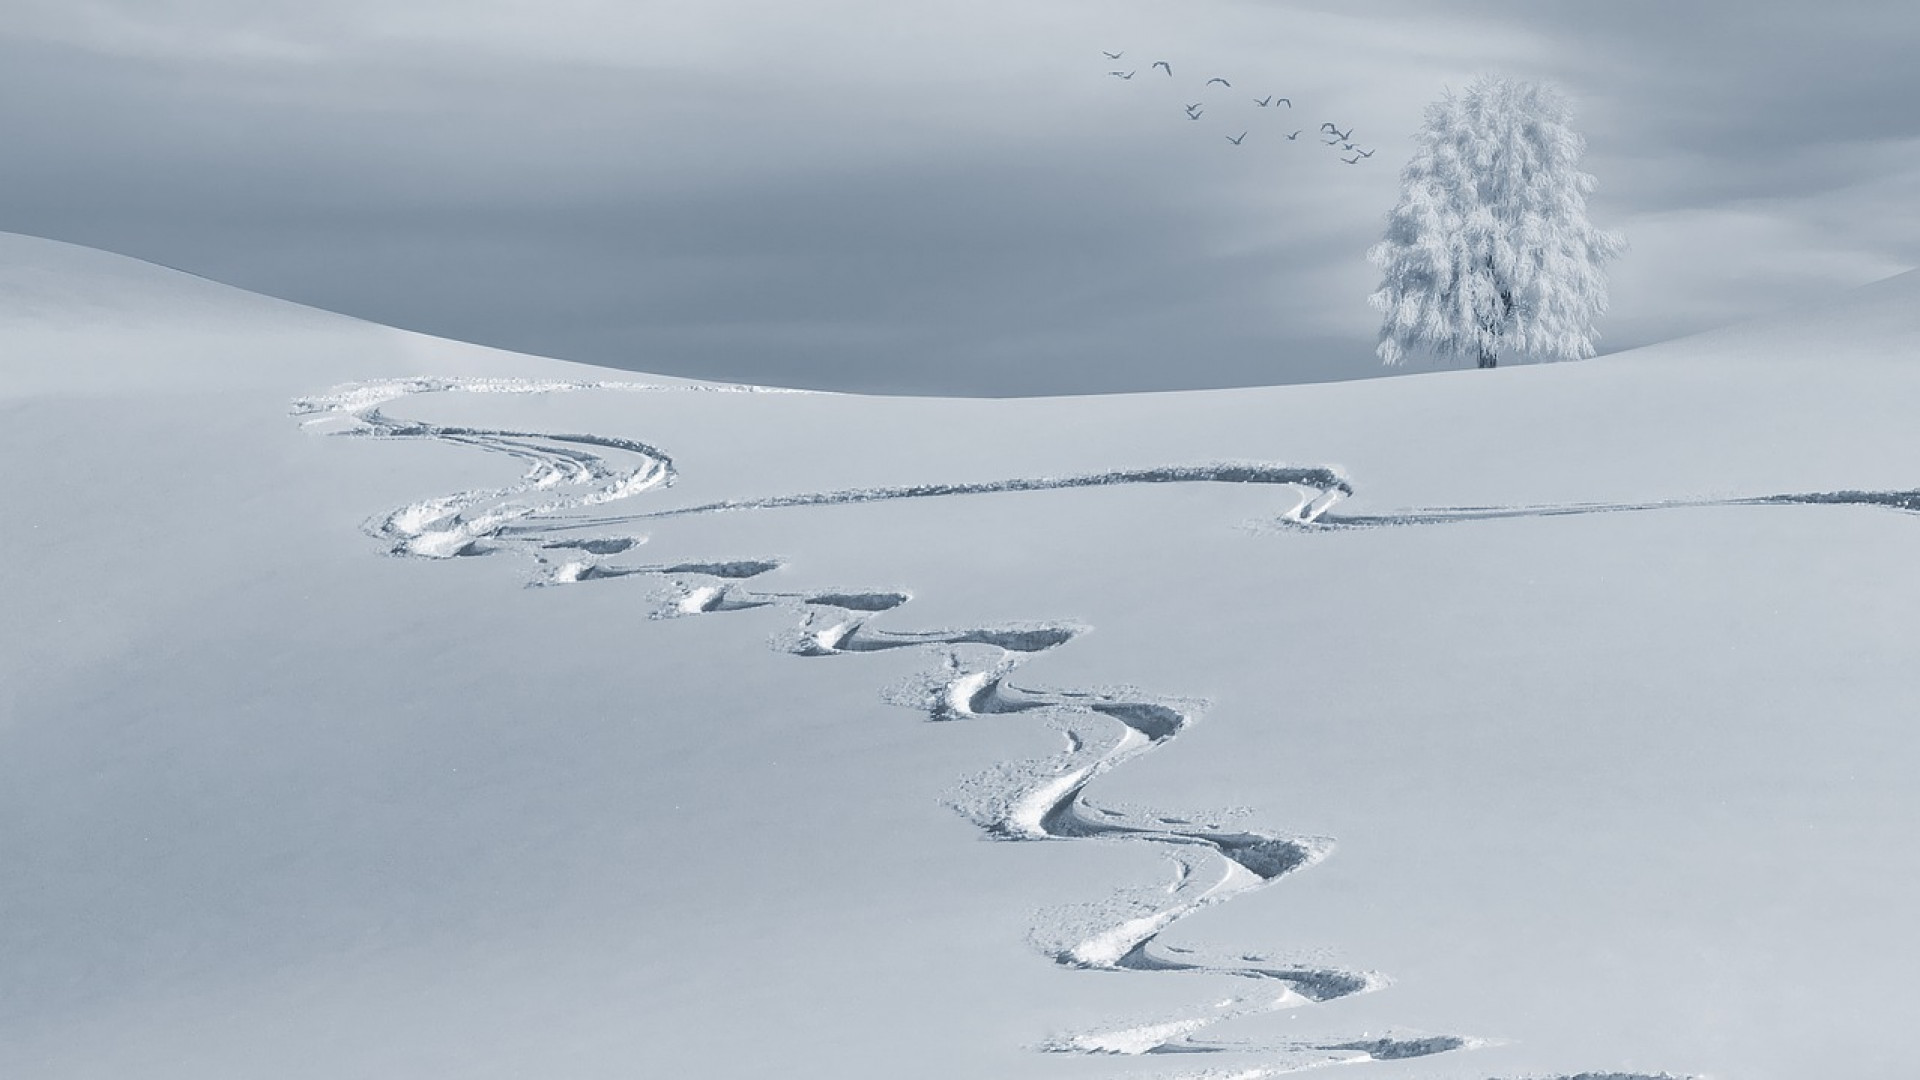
pixel 379 706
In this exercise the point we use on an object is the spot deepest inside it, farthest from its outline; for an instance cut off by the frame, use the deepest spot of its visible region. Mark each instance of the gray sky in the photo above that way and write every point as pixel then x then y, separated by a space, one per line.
pixel 945 196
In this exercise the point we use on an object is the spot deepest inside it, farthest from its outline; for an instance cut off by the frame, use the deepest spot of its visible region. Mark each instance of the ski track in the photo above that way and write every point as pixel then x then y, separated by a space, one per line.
pixel 1902 501
pixel 554 516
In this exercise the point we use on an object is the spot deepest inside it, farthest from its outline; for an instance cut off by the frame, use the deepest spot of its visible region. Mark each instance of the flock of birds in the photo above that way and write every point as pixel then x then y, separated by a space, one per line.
pixel 1330 133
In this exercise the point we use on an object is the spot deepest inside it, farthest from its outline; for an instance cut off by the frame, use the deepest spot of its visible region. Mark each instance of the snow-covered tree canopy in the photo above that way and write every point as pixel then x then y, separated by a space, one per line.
pixel 1490 252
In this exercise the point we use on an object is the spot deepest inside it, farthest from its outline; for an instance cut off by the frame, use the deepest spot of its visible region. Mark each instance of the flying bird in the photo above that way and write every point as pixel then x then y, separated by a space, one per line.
pixel 1163 64
pixel 1195 105
pixel 1293 136
pixel 1354 160
pixel 1264 102
pixel 1222 82
pixel 1113 55
pixel 1288 102
pixel 1235 141
pixel 1362 153
pixel 1343 135
pixel 1121 74
pixel 1191 115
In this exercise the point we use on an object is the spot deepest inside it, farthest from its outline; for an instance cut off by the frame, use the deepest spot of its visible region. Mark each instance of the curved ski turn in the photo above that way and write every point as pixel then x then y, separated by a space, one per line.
pixel 560 517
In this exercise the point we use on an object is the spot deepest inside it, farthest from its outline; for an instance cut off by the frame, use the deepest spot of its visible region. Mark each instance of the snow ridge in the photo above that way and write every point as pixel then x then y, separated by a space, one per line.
pixel 557 516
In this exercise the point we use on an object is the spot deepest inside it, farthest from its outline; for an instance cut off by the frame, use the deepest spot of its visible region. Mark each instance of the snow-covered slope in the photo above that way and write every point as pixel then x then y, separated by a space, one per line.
pixel 1536 723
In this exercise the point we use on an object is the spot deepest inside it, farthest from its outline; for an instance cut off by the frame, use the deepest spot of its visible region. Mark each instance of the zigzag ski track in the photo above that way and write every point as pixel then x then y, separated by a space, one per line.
pixel 559 517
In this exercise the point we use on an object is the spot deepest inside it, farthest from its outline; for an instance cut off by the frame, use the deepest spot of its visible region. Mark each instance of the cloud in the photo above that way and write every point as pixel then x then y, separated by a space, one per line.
pixel 948 196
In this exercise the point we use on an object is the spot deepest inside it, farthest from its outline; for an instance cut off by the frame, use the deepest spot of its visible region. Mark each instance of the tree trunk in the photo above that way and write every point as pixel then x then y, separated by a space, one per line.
pixel 1489 354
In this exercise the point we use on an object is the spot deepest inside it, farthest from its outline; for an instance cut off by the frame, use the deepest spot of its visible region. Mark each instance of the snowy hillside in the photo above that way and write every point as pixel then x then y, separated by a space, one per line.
pixel 373 705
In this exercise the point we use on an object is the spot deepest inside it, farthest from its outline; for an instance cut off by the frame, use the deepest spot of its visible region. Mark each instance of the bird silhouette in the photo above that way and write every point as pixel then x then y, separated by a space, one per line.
pixel 1113 55
pixel 1293 136
pixel 1164 64
pixel 1191 115
pixel 1222 82
pixel 1288 102
pixel 1354 160
pixel 1265 102
pixel 1235 141
pixel 1363 153
pixel 1195 105
pixel 1121 74
pixel 1343 135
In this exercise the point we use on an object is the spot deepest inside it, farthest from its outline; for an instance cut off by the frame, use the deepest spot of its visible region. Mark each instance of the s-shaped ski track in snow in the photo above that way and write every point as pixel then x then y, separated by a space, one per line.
pixel 560 516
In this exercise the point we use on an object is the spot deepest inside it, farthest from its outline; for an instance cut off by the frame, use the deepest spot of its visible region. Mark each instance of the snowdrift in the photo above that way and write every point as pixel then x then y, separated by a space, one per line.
pixel 378 705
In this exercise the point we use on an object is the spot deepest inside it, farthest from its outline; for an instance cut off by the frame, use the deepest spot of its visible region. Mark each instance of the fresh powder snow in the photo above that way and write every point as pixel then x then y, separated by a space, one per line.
pixel 377 705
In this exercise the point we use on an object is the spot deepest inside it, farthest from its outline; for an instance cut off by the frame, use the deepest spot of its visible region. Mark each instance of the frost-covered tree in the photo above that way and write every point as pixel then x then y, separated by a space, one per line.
pixel 1489 252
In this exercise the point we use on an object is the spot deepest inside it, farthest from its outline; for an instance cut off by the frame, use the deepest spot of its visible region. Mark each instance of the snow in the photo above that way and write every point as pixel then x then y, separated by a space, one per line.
pixel 1595 675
